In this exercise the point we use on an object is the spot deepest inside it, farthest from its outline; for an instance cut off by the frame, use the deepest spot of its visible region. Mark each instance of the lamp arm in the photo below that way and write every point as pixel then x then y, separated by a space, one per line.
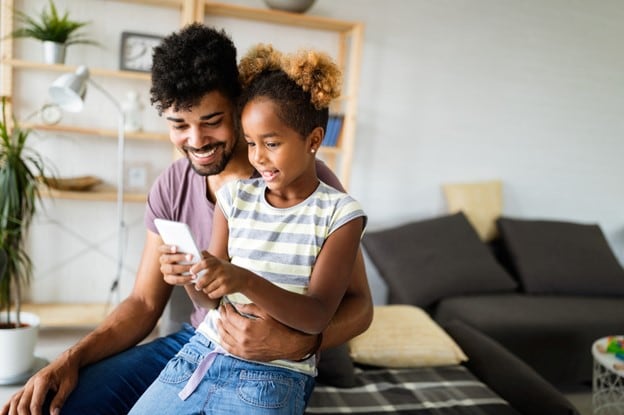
pixel 120 184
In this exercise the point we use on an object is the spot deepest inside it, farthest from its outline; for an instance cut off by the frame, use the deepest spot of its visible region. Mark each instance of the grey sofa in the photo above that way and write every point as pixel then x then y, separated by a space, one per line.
pixel 486 357
pixel 545 290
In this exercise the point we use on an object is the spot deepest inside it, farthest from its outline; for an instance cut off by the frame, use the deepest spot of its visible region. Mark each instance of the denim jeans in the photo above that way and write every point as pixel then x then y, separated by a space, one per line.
pixel 231 386
pixel 112 386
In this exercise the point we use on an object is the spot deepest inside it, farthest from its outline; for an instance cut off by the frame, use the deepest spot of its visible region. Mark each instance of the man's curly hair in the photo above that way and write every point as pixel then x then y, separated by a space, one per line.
pixel 301 84
pixel 190 63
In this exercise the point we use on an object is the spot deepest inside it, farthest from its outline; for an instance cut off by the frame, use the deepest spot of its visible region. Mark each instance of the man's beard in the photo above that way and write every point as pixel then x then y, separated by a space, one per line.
pixel 213 168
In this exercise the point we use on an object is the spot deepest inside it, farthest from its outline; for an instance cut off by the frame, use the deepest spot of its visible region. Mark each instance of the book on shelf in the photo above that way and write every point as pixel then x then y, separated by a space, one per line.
pixel 334 127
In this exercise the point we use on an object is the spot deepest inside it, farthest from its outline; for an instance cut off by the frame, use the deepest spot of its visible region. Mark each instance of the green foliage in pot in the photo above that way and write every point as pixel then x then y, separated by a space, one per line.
pixel 20 167
pixel 51 26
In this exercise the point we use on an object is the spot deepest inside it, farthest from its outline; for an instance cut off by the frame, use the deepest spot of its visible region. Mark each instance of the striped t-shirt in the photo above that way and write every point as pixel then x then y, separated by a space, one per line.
pixel 279 244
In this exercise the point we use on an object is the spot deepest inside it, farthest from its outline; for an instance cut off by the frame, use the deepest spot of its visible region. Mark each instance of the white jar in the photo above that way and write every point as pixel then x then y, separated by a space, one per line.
pixel 133 112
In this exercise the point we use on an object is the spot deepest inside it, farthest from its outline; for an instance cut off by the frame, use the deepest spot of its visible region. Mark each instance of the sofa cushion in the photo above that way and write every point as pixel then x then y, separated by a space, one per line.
pixel 427 260
pixel 552 257
pixel 553 334
pixel 481 202
pixel 404 336
pixel 504 372
pixel 335 367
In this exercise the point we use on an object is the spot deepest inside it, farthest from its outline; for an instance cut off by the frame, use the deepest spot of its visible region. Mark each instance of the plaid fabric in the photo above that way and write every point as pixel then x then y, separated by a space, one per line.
pixel 447 390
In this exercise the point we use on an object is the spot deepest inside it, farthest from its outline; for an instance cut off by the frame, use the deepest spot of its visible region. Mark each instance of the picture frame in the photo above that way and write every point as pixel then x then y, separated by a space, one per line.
pixel 135 52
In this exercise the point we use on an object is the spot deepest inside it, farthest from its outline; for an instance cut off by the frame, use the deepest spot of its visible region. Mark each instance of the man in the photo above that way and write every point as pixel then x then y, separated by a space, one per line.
pixel 195 85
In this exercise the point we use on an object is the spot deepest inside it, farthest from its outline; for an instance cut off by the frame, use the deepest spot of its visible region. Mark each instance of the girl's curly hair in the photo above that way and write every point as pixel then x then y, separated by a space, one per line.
pixel 301 84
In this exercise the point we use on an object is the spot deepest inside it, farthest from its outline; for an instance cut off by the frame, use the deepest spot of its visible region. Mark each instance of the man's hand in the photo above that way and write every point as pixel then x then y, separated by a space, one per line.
pixel 60 376
pixel 173 271
pixel 263 338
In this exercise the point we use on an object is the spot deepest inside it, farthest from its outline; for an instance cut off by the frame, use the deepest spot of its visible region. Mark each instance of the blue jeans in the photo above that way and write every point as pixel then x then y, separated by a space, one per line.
pixel 112 386
pixel 231 386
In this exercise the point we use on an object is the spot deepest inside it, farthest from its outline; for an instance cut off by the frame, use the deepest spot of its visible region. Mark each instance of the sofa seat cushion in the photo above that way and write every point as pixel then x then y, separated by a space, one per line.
pixel 553 334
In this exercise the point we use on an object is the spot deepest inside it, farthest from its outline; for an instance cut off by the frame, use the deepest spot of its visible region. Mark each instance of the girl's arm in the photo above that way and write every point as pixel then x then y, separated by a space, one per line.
pixel 309 313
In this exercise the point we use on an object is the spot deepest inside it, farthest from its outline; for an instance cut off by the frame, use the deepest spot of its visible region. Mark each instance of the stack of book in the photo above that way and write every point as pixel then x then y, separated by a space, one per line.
pixel 334 127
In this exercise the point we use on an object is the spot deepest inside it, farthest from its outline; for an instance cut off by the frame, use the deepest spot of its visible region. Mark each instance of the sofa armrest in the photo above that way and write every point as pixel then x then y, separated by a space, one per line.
pixel 507 375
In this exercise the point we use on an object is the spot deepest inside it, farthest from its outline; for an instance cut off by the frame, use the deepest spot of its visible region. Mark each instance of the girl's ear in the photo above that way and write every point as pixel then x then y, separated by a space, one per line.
pixel 316 138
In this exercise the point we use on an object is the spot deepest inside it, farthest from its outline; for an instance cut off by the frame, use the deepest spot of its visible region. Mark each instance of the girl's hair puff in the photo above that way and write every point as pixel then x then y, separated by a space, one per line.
pixel 301 85
pixel 316 73
pixel 260 58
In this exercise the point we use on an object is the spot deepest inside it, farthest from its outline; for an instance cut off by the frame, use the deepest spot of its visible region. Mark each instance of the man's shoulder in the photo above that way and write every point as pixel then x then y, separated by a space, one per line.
pixel 180 167
pixel 177 173
pixel 326 175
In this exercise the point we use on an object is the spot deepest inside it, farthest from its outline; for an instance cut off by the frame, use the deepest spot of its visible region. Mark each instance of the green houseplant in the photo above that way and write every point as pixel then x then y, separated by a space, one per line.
pixel 20 167
pixel 56 31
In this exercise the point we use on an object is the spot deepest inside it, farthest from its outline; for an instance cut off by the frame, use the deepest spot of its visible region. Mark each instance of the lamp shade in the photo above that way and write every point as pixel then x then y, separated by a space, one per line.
pixel 68 91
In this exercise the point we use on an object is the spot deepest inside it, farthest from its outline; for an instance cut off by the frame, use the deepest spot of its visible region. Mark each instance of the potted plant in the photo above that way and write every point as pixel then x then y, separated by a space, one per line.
pixel 55 31
pixel 19 168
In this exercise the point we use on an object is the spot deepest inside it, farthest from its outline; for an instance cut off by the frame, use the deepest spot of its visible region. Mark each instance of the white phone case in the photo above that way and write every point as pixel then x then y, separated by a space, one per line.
pixel 178 234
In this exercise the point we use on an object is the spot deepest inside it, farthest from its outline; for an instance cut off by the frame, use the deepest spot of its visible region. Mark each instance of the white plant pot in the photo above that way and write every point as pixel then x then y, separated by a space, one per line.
pixel 53 52
pixel 17 346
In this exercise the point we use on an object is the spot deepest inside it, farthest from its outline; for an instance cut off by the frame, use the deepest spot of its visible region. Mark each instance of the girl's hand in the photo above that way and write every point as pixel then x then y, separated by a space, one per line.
pixel 217 277
pixel 173 267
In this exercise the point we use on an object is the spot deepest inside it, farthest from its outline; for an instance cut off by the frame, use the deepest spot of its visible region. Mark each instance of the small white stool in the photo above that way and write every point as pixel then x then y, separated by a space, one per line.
pixel 608 380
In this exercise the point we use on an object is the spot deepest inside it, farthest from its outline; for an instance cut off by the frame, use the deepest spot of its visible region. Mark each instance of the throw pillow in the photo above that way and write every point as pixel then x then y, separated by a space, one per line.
pixel 423 262
pixel 335 367
pixel 481 202
pixel 554 257
pixel 404 336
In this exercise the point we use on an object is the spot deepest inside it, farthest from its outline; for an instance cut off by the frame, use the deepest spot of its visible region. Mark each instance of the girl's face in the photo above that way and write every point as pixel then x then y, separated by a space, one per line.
pixel 283 158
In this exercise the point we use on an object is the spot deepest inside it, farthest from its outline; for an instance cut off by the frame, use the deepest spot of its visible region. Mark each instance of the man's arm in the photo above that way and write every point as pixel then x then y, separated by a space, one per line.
pixel 124 327
pixel 265 339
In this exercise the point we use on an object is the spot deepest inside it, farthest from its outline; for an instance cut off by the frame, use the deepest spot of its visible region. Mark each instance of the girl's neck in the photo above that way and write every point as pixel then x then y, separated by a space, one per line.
pixel 295 193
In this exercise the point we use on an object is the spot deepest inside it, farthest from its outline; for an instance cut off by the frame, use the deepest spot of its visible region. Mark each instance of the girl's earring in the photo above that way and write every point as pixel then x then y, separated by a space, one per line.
pixel 313 151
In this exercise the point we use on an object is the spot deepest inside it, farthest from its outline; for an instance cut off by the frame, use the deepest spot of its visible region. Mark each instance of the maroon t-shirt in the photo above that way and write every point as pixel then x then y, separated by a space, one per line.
pixel 180 194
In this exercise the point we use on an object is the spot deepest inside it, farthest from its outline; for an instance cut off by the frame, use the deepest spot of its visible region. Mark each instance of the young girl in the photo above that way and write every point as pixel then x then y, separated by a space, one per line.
pixel 284 241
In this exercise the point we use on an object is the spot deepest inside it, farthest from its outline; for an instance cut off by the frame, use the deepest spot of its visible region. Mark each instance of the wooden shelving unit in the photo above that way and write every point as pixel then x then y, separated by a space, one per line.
pixel 71 129
pixel 57 315
pixel 350 39
pixel 350 34
pixel 339 157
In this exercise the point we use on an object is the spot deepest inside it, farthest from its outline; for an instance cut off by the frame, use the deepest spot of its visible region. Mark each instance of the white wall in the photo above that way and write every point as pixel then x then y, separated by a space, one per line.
pixel 529 92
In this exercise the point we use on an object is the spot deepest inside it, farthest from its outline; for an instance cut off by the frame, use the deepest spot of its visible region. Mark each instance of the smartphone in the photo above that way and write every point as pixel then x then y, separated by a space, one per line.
pixel 178 234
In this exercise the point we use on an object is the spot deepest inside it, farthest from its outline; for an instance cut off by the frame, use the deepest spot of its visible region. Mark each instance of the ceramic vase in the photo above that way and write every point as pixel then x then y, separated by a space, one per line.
pixel 18 346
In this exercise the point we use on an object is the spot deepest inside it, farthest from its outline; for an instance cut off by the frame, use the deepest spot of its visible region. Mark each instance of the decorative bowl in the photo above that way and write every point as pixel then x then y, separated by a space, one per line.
pixel 78 184
pixel 295 6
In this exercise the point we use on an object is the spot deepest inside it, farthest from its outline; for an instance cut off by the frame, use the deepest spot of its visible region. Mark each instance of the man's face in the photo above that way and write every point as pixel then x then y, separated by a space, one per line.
pixel 206 133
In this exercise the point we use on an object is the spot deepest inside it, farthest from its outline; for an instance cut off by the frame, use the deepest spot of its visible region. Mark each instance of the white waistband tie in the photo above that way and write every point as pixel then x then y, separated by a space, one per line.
pixel 199 373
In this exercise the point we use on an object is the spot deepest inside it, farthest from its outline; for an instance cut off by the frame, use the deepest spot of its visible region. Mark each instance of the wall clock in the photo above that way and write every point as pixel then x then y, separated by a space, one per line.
pixel 51 114
pixel 136 51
